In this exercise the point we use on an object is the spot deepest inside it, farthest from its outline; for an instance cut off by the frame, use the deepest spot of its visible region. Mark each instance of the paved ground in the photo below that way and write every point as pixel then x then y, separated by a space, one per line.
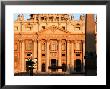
pixel 89 73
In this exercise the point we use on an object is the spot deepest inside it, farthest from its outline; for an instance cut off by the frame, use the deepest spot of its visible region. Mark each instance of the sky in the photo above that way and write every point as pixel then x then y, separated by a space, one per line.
pixel 27 16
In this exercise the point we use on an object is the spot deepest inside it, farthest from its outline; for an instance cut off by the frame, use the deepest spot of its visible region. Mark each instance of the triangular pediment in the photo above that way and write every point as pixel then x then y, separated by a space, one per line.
pixel 53 30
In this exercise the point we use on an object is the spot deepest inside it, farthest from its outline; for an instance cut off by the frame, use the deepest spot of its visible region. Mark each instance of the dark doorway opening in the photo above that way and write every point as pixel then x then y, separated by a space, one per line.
pixel 53 64
pixel 78 65
pixel 43 67
pixel 64 67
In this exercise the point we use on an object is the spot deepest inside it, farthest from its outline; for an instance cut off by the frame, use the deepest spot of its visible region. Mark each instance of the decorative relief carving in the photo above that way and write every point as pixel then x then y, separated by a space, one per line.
pixel 53 45
pixel 63 43
pixel 53 28
pixel 43 46
pixel 53 54
pixel 28 44
pixel 63 46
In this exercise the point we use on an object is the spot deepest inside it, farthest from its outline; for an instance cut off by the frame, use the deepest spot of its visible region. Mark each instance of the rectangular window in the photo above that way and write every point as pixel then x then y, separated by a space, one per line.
pixel 62 18
pixel 43 54
pixel 57 18
pixel 51 18
pixel 29 54
pixel 63 54
pixel 63 27
pixel 78 54
pixel 43 27
pixel 42 18
pixel 77 28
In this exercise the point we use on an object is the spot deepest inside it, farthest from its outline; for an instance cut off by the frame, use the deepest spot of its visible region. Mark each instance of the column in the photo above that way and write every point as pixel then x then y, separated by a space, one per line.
pixel 72 55
pixel 35 55
pixel 83 56
pixel 47 56
pixel 68 55
pixel 35 48
pixel 59 57
pixel 23 60
pixel 20 56
pixel 39 56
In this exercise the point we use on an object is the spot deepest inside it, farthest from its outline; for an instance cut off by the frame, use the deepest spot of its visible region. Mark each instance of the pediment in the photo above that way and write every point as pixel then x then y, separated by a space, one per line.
pixel 53 30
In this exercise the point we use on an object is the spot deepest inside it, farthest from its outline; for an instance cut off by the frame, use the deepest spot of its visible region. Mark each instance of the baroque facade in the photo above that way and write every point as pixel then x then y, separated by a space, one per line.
pixel 50 39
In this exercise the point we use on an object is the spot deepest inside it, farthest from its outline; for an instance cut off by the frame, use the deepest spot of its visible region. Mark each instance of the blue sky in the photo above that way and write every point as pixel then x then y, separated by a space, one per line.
pixel 27 16
pixel 76 16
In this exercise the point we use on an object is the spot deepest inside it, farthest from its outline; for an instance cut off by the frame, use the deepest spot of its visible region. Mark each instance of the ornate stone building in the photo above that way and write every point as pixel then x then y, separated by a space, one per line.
pixel 50 40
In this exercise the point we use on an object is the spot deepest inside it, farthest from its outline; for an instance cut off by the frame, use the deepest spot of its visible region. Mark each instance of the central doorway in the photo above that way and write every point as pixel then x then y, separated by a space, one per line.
pixel 53 65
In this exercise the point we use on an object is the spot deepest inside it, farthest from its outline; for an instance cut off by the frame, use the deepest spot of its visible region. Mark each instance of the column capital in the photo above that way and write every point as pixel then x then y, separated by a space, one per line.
pixel 48 40
pixel 78 41
pixel 35 40
pixel 39 40
pixel 59 40
pixel 71 41
pixel 21 40
pixel 83 41
pixel 68 41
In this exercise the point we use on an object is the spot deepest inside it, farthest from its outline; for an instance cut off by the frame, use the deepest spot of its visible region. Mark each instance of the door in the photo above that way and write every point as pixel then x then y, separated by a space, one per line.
pixel 53 64
pixel 64 67
pixel 43 67
pixel 78 65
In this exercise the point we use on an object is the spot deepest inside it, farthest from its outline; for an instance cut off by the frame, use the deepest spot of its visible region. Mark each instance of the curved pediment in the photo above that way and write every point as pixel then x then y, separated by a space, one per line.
pixel 53 30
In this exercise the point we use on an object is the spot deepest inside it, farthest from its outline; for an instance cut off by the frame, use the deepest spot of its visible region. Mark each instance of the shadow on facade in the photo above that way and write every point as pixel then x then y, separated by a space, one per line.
pixel 90 55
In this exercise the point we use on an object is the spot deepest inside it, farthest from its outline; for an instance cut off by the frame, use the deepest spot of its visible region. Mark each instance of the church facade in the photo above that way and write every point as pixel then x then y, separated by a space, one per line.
pixel 50 40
